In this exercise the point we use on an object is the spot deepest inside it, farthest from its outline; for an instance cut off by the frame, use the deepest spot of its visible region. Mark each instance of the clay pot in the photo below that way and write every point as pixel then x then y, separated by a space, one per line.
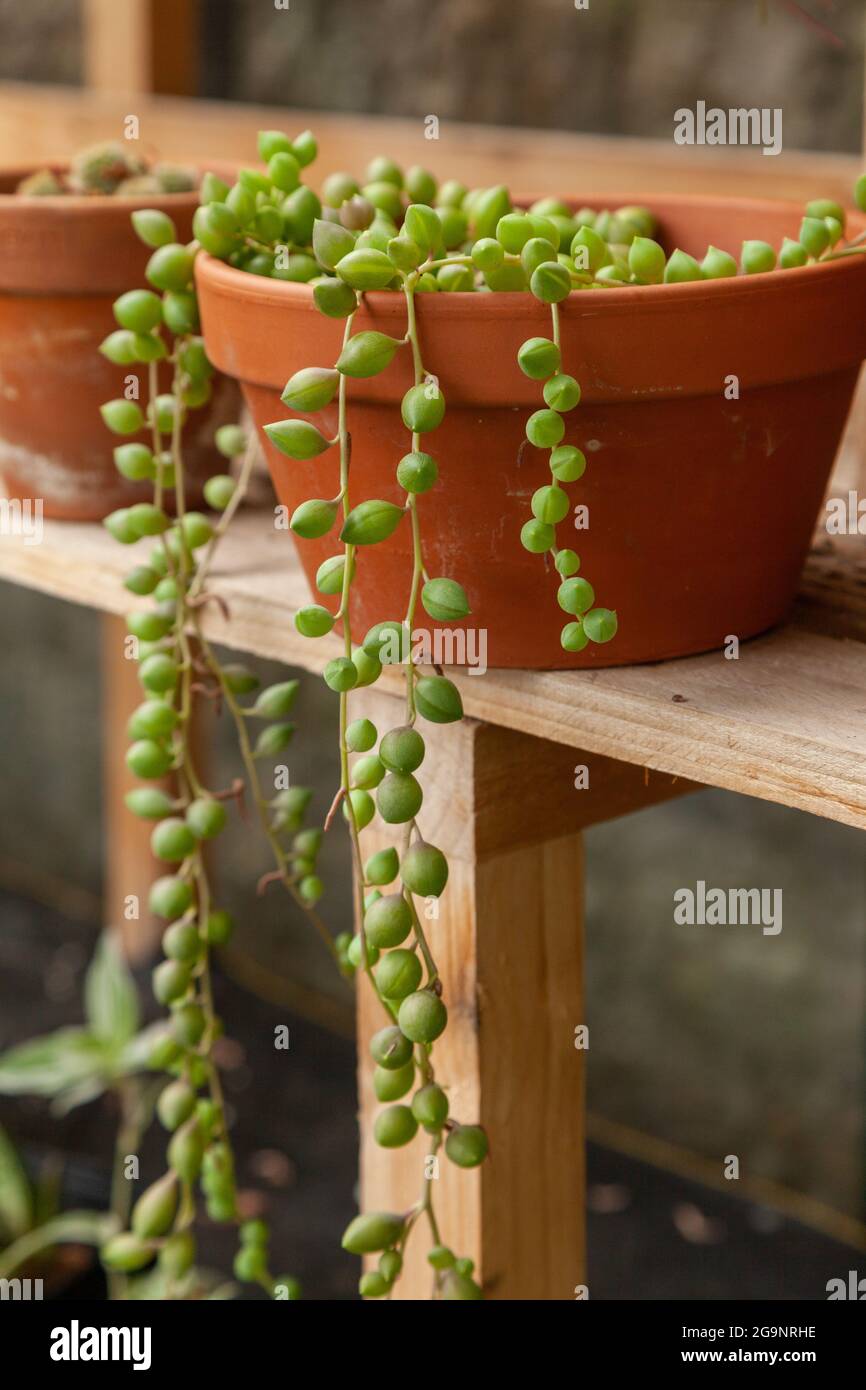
pixel 63 260
pixel 701 507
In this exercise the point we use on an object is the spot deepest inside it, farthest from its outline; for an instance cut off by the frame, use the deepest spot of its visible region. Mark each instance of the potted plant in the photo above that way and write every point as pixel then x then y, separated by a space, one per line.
pixel 423 285
pixel 712 395
pixel 68 250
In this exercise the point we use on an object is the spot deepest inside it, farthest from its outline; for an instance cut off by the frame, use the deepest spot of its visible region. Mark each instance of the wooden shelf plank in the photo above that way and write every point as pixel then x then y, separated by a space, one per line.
pixel 38 122
pixel 785 722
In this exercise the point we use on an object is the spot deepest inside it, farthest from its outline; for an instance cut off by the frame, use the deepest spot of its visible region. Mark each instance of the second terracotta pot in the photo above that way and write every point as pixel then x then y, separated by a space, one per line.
pixel 63 260
pixel 710 417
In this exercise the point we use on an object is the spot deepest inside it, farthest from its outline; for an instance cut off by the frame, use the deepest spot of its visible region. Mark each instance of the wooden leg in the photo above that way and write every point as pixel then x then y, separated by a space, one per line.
pixel 508 943
pixel 508 810
pixel 130 867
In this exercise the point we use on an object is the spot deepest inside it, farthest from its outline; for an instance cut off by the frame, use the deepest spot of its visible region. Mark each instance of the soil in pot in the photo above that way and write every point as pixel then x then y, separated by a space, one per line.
pixel 63 261
pixel 710 416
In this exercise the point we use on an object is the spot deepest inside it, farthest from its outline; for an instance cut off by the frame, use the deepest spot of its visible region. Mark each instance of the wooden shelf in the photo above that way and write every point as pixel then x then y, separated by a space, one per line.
pixel 785 722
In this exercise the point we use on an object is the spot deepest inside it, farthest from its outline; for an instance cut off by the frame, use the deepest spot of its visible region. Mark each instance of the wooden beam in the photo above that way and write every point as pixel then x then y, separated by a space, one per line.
pixel 776 724
pixel 141 46
pixel 508 944
pixel 40 121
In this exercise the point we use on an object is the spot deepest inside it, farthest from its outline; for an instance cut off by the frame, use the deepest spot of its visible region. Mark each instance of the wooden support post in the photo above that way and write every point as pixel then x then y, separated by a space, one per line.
pixel 141 46
pixel 508 943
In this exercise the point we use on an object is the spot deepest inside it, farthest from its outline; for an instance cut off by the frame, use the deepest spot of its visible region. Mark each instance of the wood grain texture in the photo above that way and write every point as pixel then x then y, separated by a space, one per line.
pixel 508 945
pixel 44 121
pixel 786 722
pixel 140 46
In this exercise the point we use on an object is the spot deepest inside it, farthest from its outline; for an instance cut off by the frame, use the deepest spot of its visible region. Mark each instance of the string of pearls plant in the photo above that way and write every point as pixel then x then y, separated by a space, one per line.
pixel 177 667
pixel 406 234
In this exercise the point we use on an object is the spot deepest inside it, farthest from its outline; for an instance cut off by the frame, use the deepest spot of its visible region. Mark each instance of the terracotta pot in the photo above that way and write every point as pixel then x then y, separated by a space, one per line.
pixel 701 507
pixel 63 260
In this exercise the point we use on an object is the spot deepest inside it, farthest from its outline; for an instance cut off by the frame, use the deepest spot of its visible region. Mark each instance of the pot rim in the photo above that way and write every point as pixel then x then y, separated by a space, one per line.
pixel 624 298
pixel 101 203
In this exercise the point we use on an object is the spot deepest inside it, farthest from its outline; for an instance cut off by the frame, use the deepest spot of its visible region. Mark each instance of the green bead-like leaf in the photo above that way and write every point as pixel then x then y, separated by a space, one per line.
pixel 758 257
pixel 331 242
pixel 329 575
pixel 153 227
pixel 273 740
pixel 792 254
pixel 646 260
pixel 277 700
pixel 539 358
pixel 334 299
pixel 814 235
pixel 311 389
pixel 417 472
pixel 487 209
pixel 537 536
pixel 423 226
pixel 550 282
pixel 575 595
pixel 600 624
pixel 374 1231
pixel 170 267
pixel 574 637
pixel 297 439
pixel 371 522
pixel 717 264
pixel 681 268
pixel 438 700
pixel 122 416
pixel 445 600
pixel 313 621
pixel 314 518
pixel 423 408
pixel 367 354
pixel 488 254
pixel 119 347
pixel 367 269
pixel 405 253
pixel 590 251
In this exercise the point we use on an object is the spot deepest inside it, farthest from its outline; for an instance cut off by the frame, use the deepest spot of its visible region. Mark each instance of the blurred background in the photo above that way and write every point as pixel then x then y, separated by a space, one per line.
pixel 726 1043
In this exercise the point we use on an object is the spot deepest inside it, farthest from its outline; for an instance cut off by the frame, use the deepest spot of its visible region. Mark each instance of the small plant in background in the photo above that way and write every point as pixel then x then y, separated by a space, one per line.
pixel 106 1055
pixel 110 168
